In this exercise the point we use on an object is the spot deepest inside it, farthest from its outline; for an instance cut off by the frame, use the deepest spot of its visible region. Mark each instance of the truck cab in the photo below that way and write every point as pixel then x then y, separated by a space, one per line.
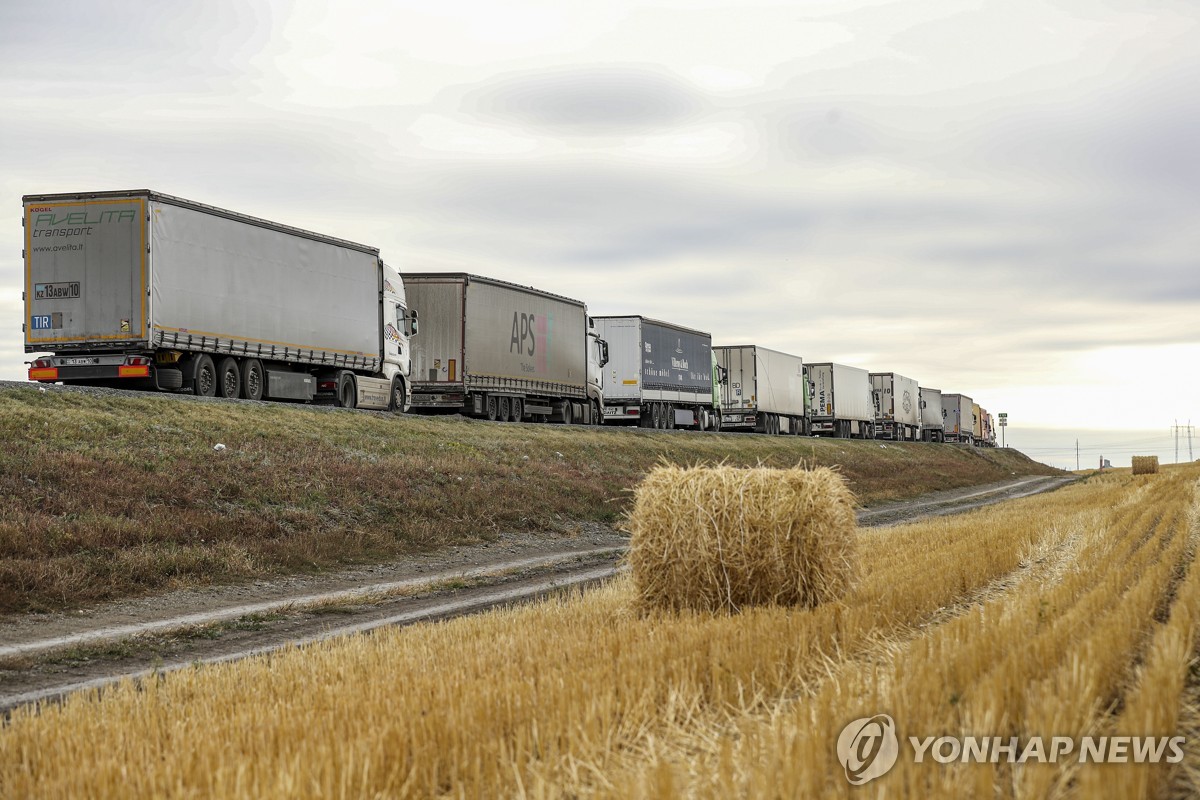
pixel 597 357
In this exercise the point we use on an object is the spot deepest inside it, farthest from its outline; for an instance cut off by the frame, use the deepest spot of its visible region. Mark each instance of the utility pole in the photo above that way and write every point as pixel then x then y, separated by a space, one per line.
pixel 1077 455
pixel 1188 429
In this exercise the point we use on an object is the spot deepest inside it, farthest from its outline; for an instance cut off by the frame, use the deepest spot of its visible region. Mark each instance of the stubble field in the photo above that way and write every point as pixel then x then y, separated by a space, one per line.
pixel 1067 614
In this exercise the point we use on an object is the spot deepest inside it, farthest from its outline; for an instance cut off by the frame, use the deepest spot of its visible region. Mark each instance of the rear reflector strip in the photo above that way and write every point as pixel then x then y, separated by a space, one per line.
pixel 43 374
pixel 133 372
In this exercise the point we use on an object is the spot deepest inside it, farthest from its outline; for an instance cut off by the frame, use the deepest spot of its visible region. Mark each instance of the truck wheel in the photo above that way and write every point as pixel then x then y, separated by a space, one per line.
pixel 503 409
pixel 347 394
pixel 253 379
pixel 568 413
pixel 489 404
pixel 518 410
pixel 204 377
pixel 229 378
pixel 397 397
pixel 716 422
pixel 597 413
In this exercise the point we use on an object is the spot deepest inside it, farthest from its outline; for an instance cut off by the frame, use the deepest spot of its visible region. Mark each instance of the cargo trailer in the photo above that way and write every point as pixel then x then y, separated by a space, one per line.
pixel 931 415
pixel 976 423
pixel 763 390
pixel 841 401
pixel 659 374
pixel 958 424
pixel 144 290
pixel 897 407
pixel 500 351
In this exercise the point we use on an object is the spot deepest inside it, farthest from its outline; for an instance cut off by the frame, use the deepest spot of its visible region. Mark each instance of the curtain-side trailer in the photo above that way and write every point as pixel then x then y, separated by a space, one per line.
pixel 897 407
pixel 958 425
pixel 497 350
pixel 145 290
pixel 841 403
pixel 763 390
pixel 659 375
pixel 932 423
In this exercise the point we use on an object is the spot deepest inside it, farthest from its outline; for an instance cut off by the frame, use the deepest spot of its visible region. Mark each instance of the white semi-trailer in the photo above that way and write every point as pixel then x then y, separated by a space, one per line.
pixel 145 290
pixel 659 375
pixel 763 390
pixel 931 415
pixel 841 401
pixel 897 407
pixel 497 350
pixel 958 418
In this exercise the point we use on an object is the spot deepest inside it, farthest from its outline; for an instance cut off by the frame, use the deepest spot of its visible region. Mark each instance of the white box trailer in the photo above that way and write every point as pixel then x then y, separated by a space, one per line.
pixel 897 407
pixel 958 422
pixel 659 375
pixel 931 415
pixel 146 290
pixel 841 402
pixel 763 390
pixel 493 349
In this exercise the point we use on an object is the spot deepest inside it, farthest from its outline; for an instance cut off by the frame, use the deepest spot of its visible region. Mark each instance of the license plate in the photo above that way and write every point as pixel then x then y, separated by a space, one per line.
pixel 78 362
pixel 612 411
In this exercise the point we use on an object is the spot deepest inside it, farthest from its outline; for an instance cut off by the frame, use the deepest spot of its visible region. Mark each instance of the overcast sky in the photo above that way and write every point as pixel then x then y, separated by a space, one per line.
pixel 999 198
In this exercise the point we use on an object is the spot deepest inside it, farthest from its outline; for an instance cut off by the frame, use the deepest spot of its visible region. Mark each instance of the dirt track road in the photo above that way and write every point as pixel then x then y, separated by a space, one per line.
pixel 45 656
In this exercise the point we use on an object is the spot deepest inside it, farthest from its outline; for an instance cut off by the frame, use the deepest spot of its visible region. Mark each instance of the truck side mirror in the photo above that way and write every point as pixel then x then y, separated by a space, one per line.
pixel 724 373
pixel 413 319
pixel 603 352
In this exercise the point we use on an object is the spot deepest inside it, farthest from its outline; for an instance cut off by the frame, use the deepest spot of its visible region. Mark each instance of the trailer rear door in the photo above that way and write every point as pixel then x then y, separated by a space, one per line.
pixel 85 272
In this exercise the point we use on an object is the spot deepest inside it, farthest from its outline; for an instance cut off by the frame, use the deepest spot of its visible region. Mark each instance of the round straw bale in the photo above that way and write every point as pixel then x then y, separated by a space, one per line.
pixel 1145 465
pixel 723 538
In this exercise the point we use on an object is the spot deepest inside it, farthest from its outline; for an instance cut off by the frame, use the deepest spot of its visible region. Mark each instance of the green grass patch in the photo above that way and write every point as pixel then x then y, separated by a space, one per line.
pixel 106 497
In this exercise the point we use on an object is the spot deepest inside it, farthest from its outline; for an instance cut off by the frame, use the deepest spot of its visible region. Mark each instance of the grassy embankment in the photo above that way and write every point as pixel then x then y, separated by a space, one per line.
pixel 103 497
pixel 1068 614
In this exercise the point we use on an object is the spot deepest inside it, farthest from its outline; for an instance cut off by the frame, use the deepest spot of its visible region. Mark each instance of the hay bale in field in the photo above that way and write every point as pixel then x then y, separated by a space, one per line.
pixel 723 538
pixel 1145 465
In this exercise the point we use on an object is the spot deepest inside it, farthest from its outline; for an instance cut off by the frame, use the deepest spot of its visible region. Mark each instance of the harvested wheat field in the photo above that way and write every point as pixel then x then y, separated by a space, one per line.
pixel 1064 615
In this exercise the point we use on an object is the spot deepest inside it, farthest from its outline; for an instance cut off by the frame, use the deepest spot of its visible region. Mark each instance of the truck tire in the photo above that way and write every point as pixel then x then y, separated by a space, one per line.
pixel 489 405
pixel 254 380
pixel 397 396
pixel 168 378
pixel 204 376
pixel 715 424
pixel 229 378
pixel 518 410
pixel 503 409
pixel 568 413
pixel 597 413
pixel 347 391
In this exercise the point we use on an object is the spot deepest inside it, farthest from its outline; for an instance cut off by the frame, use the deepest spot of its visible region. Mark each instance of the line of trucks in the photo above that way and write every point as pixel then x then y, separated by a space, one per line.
pixel 145 290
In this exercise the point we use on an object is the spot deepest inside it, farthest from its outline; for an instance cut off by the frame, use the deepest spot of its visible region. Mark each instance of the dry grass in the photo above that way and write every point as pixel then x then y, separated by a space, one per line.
pixel 104 497
pixel 726 538
pixel 1055 615
pixel 1145 465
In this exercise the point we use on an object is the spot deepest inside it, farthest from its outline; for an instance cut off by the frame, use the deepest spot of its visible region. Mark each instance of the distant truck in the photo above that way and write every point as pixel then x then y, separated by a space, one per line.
pixel 504 352
pixel 987 432
pixel 763 390
pixel 659 375
pixel 897 407
pixel 932 429
pixel 976 424
pixel 841 401
pixel 144 290
pixel 958 423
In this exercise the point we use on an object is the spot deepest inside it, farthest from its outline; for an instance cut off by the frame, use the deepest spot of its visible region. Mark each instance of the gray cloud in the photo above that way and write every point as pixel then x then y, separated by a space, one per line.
pixel 589 101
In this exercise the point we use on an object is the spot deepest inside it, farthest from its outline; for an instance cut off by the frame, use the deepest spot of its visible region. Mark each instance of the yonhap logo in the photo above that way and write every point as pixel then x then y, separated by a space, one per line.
pixel 868 748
